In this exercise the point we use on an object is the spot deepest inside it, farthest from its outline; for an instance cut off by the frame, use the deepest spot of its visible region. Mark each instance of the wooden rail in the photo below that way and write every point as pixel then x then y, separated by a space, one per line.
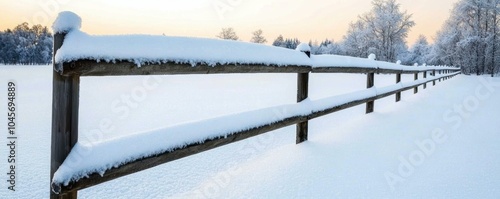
pixel 66 99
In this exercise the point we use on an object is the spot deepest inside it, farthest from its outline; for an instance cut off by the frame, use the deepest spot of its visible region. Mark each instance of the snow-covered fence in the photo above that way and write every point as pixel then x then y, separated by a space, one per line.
pixel 77 54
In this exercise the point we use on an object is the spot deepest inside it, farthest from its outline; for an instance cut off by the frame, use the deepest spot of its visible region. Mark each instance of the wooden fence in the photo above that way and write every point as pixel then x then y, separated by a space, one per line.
pixel 66 83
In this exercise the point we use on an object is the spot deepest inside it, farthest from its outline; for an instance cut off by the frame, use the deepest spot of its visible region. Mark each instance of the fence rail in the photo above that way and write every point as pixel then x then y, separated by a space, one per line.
pixel 66 100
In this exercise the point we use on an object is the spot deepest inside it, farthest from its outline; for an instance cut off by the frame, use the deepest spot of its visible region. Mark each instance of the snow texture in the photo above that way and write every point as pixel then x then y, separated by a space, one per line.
pixel 66 21
pixel 359 148
pixel 346 61
pixel 303 47
pixel 142 49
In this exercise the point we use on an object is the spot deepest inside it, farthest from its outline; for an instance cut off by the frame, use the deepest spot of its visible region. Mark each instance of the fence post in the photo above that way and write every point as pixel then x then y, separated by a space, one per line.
pixel 65 100
pixel 425 76
pixel 398 80
pixel 370 80
pixel 440 72
pixel 302 94
pixel 434 75
pixel 415 90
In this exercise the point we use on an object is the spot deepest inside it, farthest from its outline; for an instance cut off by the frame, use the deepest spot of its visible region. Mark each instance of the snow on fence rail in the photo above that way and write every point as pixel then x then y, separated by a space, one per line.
pixel 78 54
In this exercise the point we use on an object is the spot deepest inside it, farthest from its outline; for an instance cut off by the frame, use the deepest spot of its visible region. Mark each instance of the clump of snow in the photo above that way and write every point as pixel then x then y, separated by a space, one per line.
pixel 398 62
pixel 303 47
pixel 66 21
pixel 372 57
pixel 415 64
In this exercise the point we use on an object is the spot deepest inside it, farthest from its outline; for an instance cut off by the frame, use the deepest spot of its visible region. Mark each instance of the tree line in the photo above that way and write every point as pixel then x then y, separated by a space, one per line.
pixel 469 39
pixel 26 45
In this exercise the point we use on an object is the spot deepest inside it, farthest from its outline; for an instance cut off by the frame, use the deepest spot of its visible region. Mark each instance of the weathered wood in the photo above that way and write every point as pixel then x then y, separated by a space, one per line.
pixel 149 162
pixel 425 76
pixel 415 90
pixel 434 75
pixel 358 70
pixel 398 80
pixel 121 68
pixel 363 70
pixel 370 82
pixel 302 94
pixel 65 101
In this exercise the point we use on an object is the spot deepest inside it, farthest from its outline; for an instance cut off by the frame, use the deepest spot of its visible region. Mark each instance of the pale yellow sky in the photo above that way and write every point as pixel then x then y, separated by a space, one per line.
pixel 304 19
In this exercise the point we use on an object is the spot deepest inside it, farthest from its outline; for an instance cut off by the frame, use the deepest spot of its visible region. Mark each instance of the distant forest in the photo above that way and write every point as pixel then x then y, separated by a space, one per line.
pixel 26 45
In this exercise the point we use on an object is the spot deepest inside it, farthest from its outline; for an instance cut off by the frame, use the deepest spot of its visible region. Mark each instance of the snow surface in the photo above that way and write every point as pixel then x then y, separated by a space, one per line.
pixel 101 156
pixel 346 61
pixel 66 21
pixel 372 57
pixel 143 49
pixel 303 47
pixel 346 156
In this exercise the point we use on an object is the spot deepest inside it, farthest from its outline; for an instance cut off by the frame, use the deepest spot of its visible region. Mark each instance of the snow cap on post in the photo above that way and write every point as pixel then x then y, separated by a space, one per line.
pixel 66 21
pixel 398 62
pixel 305 48
pixel 372 57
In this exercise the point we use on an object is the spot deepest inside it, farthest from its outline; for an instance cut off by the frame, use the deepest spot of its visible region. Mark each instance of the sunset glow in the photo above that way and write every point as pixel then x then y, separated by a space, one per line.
pixel 306 20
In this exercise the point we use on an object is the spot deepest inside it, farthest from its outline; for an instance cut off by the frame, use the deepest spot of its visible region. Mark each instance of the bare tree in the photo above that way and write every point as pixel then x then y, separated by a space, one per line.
pixel 257 37
pixel 471 36
pixel 382 31
pixel 228 34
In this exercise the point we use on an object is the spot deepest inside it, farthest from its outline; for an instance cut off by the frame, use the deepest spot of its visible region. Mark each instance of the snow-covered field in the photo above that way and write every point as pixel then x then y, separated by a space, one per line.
pixel 441 143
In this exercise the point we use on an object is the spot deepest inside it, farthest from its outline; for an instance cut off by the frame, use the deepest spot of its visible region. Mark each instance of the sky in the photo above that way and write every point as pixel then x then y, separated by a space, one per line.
pixel 306 20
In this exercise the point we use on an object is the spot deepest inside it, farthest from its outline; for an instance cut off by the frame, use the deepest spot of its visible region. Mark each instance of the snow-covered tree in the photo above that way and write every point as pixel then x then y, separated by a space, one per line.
pixel 470 38
pixel 258 37
pixel 358 41
pixel 418 53
pixel 382 31
pixel 25 45
pixel 327 47
pixel 228 34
